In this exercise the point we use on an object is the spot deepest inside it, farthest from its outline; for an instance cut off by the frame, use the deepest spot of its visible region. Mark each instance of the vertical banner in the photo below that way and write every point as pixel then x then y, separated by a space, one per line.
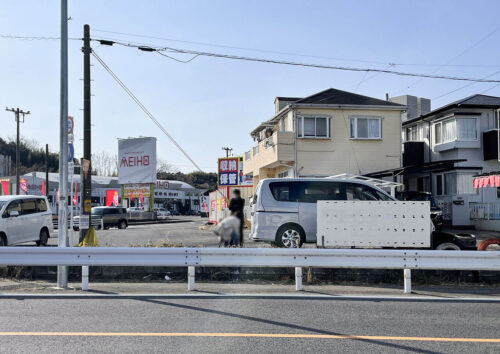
pixel 5 187
pixel 23 185
pixel 75 197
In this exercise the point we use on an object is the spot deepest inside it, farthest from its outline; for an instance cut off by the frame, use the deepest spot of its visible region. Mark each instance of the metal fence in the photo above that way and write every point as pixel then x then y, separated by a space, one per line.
pixel 484 211
pixel 251 257
pixel 95 220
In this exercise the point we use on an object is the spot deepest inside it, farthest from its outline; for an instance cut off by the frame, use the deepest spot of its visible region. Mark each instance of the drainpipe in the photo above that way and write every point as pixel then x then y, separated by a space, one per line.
pixel 294 142
pixel 430 153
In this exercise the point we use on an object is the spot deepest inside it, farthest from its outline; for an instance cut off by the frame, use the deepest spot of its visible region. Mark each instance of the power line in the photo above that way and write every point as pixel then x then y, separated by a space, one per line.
pixel 291 53
pixel 284 62
pixel 139 103
pixel 465 86
pixel 456 56
pixel 35 38
pixel 491 88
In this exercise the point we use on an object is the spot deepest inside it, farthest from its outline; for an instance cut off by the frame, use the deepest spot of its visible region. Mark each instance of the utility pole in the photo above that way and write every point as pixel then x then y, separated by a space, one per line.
pixel 62 271
pixel 86 166
pixel 228 150
pixel 18 113
pixel 46 169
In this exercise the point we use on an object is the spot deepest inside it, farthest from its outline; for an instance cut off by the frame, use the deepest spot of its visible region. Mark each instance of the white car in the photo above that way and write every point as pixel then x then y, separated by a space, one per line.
pixel 162 214
pixel 25 218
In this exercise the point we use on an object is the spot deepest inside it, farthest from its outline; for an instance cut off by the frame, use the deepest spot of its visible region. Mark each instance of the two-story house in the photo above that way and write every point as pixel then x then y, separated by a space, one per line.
pixel 328 133
pixel 445 148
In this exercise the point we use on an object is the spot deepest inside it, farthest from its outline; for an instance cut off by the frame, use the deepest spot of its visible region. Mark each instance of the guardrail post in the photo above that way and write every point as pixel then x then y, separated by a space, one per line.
pixel 298 278
pixel 191 272
pixel 407 281
pixel 85 278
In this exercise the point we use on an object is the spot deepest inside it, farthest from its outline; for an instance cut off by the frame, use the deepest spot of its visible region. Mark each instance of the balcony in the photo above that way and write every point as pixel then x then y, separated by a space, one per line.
pixel 270 153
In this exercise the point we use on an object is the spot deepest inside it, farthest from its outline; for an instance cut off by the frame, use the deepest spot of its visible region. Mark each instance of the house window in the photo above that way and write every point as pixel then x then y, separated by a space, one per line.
pixel 366 127
pixel 456 129
pixel 283 174
pixel 412 133
pixel 313 127
pixel 439 184
pixel 455 183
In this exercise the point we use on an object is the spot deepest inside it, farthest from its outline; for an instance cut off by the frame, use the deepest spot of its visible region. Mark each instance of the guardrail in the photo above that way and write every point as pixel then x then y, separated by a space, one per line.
pixel 251 257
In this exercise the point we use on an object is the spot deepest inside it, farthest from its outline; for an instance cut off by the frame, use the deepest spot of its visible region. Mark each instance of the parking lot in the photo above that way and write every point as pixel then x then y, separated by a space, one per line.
pixel 177 231
pixel 189 231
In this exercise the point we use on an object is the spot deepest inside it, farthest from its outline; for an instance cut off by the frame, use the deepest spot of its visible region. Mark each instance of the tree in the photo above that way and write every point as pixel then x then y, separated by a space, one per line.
pixel 105 164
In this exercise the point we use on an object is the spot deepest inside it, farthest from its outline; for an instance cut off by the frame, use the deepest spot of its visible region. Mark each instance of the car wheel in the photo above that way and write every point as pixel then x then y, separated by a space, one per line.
pixel 44 238
pixel 448 246
pixel 289 236
pixel 3 240
pixel 122 224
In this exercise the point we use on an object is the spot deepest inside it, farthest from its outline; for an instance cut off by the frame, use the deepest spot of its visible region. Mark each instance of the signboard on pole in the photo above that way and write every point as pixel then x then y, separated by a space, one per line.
pixel 230 171
pixel 137 160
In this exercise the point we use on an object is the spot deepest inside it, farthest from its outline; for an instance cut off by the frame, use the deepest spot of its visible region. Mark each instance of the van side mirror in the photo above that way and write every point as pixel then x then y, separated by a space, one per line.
pixel 14 213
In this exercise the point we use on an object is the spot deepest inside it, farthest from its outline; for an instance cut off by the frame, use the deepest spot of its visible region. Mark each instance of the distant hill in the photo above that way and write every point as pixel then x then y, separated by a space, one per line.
pixel 32 157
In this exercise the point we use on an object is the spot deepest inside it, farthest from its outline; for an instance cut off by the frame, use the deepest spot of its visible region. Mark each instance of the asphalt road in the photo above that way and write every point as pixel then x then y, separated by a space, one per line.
pixel 246 325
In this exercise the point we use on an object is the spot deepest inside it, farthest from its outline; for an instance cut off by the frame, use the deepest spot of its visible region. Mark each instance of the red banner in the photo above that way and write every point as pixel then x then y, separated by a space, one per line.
pixel 111 198
pixel 75 198
pixel 5 187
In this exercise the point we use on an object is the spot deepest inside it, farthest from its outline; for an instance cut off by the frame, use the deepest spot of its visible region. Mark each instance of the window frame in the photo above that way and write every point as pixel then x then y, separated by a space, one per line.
pixel 353 135
pixel 300 127
pixel 455 120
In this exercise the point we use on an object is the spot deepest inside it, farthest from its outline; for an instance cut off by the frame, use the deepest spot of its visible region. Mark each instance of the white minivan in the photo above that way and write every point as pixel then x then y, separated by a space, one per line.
pixel 284 210
pixel 24 218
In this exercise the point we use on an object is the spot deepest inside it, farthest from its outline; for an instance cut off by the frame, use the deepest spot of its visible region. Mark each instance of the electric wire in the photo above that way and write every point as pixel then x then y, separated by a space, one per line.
pixel 144 109
pixel 464 86
pixel 291 63
pixel 290 53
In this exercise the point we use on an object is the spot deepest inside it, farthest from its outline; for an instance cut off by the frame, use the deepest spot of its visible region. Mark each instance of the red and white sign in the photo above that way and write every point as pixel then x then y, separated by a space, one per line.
pixel 137 160
pixel 161 184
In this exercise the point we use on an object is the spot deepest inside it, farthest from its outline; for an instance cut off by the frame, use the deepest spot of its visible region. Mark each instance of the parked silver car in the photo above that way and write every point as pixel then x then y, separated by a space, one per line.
pixel 284 210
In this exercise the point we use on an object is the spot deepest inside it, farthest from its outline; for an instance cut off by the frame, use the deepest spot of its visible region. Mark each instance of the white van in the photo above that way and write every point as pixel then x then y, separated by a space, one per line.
pixel 24 218
pixel 284 210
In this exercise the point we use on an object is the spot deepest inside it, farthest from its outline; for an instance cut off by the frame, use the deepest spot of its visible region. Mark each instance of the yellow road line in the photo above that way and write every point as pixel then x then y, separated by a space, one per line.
pixel 247 335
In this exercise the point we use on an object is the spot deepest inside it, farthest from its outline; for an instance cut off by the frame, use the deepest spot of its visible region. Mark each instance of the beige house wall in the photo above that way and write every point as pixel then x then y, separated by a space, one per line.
pixel 341 154
pixel 329 156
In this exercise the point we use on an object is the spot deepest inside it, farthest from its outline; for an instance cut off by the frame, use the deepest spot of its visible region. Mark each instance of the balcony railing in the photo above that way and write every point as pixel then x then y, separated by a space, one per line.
pixel 484 211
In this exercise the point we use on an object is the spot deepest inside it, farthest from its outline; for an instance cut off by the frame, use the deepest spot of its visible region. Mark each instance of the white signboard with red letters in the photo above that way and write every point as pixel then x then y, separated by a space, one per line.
pixel 137 160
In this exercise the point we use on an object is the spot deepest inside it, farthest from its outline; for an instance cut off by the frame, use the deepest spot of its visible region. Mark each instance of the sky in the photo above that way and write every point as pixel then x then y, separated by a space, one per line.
pixel 210 103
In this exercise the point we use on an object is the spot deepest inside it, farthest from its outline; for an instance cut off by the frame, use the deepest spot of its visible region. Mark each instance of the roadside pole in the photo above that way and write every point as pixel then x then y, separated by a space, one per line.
pixel 62 271
pixel 46 169
pixel 17 112
pixel 86 186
